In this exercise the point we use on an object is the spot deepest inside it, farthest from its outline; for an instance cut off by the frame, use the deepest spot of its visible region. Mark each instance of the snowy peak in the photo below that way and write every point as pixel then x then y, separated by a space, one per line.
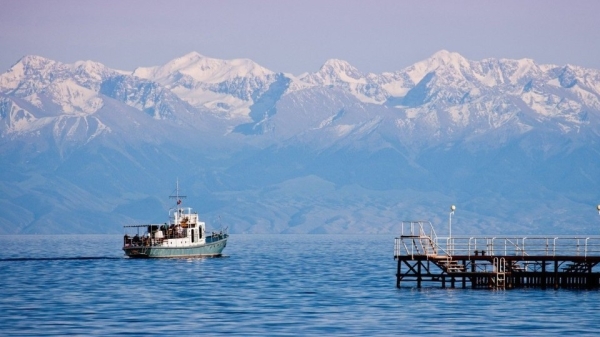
pixel 444 57
pixel 516 72
pixel 204 69
pixel 442 61
pixel 335 72
pixel 29 65
pixel 339 67
pixel 186 60
pixel 91 69
pixel 488 72
pixel 225 87
pixel 341 74
pixel 33 73
pixel 35 62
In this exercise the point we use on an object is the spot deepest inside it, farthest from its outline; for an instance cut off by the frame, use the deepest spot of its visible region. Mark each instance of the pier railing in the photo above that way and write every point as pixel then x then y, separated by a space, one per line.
pixel 521 246
pixel 419 238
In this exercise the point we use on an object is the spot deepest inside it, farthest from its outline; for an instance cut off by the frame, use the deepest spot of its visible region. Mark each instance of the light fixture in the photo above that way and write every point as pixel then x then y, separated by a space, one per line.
pixel 450 246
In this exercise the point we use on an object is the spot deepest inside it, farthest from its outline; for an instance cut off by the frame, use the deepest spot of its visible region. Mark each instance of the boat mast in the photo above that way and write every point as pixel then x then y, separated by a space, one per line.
pixel 177 198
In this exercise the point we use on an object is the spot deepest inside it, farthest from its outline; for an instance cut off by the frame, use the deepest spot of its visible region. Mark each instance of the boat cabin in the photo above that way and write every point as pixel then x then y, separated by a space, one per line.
pixel 184 229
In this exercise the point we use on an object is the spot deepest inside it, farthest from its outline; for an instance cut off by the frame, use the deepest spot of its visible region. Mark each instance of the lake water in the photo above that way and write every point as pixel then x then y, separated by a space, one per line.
pixel 264 285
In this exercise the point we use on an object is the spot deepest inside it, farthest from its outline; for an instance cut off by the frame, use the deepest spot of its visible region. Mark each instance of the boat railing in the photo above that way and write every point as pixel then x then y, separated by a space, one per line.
pixel 217 235
pixel 156 235
pixel 152 235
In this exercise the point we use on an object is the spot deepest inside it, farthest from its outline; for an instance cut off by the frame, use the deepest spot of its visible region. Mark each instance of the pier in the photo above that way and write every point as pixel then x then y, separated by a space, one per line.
pixel 485 262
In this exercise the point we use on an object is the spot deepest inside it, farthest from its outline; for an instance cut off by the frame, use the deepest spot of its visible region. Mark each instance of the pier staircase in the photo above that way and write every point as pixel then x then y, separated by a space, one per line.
pixel 450 266
pixel 425 245
pixel 420 243
pixel 417 239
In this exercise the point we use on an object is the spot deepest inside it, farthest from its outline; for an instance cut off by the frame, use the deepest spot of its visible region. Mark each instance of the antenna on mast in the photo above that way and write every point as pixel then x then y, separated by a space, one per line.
pixel 177 196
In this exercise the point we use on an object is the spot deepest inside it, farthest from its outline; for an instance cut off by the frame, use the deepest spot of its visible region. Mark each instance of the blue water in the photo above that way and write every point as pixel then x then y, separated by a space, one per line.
pixel 265 285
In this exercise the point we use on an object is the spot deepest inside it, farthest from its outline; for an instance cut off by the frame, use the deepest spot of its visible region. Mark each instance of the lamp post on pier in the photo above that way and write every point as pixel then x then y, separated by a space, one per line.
pixel 452 209
pixel 598 208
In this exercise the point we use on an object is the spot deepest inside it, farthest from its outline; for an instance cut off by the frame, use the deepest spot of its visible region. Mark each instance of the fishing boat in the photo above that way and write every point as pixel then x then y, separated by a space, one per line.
pixel 183 236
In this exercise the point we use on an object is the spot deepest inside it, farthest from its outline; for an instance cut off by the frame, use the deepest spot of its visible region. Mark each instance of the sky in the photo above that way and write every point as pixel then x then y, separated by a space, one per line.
pixel 299 36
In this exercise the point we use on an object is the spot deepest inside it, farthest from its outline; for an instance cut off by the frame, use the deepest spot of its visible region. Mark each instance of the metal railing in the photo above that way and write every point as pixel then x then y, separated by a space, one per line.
pixel 525 246
pixel 417 237
pixel 415 234
pixel 511 246
pixel 417 228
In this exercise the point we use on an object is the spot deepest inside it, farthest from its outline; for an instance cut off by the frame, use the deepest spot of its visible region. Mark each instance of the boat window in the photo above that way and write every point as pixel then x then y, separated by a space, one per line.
pixel 193 237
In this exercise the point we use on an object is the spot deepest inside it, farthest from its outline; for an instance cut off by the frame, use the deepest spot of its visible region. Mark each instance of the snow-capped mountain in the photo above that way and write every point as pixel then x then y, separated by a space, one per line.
pixel 488 131
pixel 338 73
pixel 438 99
pixel 228 87
pixel 39 94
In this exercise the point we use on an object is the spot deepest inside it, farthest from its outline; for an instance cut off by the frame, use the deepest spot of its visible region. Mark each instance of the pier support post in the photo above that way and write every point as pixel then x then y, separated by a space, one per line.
pixel 473 278
pixel 398 273
pixel 589 276
pixel 464 278
pixel 555 274
pixel 419 274
pixel 543 278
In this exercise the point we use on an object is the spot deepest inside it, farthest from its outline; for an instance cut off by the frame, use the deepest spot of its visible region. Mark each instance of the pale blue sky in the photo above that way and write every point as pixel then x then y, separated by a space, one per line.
pixel 299 36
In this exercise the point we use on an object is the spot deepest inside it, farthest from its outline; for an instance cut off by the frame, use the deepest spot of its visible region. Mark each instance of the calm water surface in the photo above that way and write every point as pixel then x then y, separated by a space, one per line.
pixel 265 285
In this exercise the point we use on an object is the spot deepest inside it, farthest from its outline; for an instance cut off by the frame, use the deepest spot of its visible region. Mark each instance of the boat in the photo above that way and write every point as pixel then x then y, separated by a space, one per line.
pixel 183 236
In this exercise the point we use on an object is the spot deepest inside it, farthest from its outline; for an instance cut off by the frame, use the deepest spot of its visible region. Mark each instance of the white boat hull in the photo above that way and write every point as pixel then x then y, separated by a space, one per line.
pixel 201 250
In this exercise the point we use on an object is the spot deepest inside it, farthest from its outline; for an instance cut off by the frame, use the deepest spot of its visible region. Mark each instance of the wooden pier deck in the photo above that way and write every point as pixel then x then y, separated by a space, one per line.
pixel 495 262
